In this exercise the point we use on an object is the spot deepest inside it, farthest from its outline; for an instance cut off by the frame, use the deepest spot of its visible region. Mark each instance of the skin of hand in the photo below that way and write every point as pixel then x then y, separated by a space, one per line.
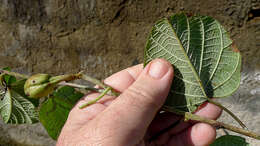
pixel 133 117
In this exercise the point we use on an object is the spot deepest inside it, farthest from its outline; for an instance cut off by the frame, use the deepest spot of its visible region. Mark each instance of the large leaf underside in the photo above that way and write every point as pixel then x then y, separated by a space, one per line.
pixel 205 63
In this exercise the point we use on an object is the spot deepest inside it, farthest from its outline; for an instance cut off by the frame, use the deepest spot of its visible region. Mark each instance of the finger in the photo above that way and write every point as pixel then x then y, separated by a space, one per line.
pixel 119 81
pixel 200 134
pixel 136 107
pixel 123 79
pixel 161 122
pixel 207 110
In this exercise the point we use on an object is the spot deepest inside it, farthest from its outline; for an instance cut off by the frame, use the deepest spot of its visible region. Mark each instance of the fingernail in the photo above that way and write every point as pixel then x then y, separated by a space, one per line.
pixel 158 69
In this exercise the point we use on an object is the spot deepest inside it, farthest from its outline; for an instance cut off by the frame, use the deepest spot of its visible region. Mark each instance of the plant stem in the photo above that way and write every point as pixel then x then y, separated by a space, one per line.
pixel 66 78
pixel 93 80
pixel 189 116
pixel 229 112
pixel 88 88
pixel 81 87
pixel 98 98
pixel 98 82
pixel 14 74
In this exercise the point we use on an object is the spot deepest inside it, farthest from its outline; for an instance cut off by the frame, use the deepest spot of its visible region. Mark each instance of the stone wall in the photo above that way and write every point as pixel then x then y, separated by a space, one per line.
pixel 105 36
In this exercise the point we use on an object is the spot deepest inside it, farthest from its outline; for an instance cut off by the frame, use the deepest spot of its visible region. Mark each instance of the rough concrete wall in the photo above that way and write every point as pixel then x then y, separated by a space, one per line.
pixel 105 36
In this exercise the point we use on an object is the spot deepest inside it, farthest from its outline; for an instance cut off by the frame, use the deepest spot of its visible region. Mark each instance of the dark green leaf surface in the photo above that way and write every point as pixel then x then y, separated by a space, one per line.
pixel 205 64
pixel 7 78
pixel 54 112
pixel 230 140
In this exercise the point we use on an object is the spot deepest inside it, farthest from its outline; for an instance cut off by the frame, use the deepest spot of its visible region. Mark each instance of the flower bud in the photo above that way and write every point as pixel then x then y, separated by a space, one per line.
pixel 38 86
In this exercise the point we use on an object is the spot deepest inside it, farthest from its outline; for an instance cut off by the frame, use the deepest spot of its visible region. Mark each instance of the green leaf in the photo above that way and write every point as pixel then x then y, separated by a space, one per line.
pixel 6 106
pixel 8 79
pixel 15 109
pixel 205 64
pixel 54 112
pixel 18 86
pixel 230 140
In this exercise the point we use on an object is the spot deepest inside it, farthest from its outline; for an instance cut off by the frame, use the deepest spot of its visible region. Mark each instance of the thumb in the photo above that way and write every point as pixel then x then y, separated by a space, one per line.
pixel 132 112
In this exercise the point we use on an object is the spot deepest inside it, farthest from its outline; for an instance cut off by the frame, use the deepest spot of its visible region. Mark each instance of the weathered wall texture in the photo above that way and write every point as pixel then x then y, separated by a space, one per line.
pixel 105 36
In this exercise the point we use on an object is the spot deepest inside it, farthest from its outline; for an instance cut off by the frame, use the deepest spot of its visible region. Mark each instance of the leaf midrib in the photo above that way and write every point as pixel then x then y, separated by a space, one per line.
pixel 185 54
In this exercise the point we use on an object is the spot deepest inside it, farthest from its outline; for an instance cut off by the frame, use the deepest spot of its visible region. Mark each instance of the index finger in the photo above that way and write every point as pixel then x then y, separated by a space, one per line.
pixel 123 79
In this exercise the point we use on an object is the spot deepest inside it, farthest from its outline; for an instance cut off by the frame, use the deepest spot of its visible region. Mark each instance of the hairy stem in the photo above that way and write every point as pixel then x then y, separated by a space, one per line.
pixel 93 80
pixel 14 74
pixel 189 116
pixel 99 83
pixel 97 99
pixel 229 112
pixel 81 87
pixel 87 88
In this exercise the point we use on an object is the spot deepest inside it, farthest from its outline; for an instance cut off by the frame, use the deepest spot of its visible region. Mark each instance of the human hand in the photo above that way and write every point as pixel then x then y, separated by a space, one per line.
pixel 133 118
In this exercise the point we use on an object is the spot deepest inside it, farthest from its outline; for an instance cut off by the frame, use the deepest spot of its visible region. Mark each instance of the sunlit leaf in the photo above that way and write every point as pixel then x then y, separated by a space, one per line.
pixel 205 64
pixel 16 109
pixel 6 105
pixel 54 112
pixel 230 140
